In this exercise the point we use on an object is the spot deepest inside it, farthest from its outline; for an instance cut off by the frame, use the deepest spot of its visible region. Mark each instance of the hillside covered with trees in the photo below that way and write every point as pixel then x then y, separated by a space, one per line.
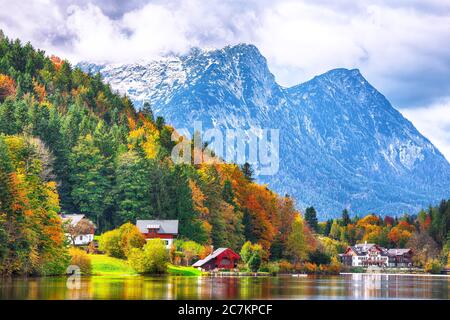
pixel 69 144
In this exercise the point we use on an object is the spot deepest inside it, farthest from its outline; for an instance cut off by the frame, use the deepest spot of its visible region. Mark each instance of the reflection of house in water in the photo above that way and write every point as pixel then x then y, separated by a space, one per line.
pixel 368 254
pixel 370 285
pixel 218 287
pixel 394 286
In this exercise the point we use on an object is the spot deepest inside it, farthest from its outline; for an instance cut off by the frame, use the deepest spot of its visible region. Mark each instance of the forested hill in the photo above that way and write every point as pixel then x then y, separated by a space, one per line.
pixel 112 163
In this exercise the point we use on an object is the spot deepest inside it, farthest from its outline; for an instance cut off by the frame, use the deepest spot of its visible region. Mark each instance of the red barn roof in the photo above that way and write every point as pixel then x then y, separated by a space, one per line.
pixel 219 253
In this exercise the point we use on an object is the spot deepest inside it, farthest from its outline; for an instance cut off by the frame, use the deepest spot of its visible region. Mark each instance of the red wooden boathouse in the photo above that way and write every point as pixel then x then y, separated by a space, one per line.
pixel 222 258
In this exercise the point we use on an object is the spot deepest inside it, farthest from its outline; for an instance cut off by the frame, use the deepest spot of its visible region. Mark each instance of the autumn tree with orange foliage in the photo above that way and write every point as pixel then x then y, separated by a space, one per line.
pixel 401 233
pixel 40 91
pixel 267 217
pixel 286 214
pixel 7 87
pixel 33 240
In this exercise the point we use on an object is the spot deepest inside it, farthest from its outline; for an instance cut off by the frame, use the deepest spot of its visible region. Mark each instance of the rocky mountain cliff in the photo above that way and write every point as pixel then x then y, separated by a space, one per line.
pixel 342 144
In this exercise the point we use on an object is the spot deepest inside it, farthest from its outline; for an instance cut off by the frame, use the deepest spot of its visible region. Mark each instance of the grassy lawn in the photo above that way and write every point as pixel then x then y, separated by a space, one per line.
pixel 108 266
pixel 104 265
pixel 183 271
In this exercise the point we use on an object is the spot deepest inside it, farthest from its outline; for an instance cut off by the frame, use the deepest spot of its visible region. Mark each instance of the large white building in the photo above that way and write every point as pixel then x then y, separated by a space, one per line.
pixel 369 254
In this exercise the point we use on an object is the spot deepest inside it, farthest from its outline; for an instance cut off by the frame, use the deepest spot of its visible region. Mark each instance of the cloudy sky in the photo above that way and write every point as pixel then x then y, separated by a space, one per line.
pixel 402 47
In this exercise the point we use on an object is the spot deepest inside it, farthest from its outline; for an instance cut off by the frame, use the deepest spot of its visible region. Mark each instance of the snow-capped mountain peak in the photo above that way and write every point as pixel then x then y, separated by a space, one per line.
pixel 342 144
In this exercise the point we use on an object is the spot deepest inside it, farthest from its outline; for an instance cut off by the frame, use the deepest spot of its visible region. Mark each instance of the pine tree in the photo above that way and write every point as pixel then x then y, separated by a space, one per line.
pixel 6 168
pixel 91 183
pixel 228 194
pixel 162 190
pixel 327 230
pixel 311 218
pixel 192 211
pixel 148 112
pixel 247 171
pixel 160 123
pixel 345 217
pixel 104 140
pixel 8 123
pixel 248 227
pixel 132 190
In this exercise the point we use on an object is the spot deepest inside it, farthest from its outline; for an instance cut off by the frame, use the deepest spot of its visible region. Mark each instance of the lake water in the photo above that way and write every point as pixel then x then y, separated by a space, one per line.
pixel 349 286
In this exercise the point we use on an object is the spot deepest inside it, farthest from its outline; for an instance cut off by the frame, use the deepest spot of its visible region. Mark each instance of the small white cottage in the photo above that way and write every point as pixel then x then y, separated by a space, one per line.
pixel 79 229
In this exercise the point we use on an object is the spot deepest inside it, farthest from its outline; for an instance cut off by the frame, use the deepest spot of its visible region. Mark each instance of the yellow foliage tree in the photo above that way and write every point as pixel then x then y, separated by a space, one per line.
pixel 7 87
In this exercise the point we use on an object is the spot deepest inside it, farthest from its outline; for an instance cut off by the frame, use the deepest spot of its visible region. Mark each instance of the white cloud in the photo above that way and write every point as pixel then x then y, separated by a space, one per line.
pixel 399 47
pixel 433 122
pixel 144 33
pixel 395 48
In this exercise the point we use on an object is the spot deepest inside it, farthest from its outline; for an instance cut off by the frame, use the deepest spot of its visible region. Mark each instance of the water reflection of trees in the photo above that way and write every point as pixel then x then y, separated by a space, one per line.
pixel 355 286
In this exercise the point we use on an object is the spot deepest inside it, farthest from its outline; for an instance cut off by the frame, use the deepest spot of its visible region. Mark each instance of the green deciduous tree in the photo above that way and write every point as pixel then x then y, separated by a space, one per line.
pixel 297 244
pixel 251 255
pixel 153 258
pixel 119 242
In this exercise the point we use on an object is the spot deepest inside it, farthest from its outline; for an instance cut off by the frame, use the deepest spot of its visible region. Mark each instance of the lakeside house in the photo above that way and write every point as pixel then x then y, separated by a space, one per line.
pixel 166 230
pixel 80 235
pixel 222 258
pixel 369 254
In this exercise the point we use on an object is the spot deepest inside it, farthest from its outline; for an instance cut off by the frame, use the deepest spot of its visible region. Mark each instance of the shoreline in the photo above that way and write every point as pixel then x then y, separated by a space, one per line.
pixel 396 274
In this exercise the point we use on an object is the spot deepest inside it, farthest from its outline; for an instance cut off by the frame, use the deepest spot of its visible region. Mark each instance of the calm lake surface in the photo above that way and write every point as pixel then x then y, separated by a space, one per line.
pixel 349 286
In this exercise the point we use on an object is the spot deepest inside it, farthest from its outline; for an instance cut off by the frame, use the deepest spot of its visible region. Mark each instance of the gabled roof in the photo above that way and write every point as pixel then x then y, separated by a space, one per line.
pixel 361 249
pixel 398 252
pixel 364 246
pixel 163 226
pixel 72 218
pixel 213 255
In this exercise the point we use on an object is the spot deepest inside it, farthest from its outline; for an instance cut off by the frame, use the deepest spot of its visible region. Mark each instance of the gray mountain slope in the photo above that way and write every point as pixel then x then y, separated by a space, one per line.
pixel 342 144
